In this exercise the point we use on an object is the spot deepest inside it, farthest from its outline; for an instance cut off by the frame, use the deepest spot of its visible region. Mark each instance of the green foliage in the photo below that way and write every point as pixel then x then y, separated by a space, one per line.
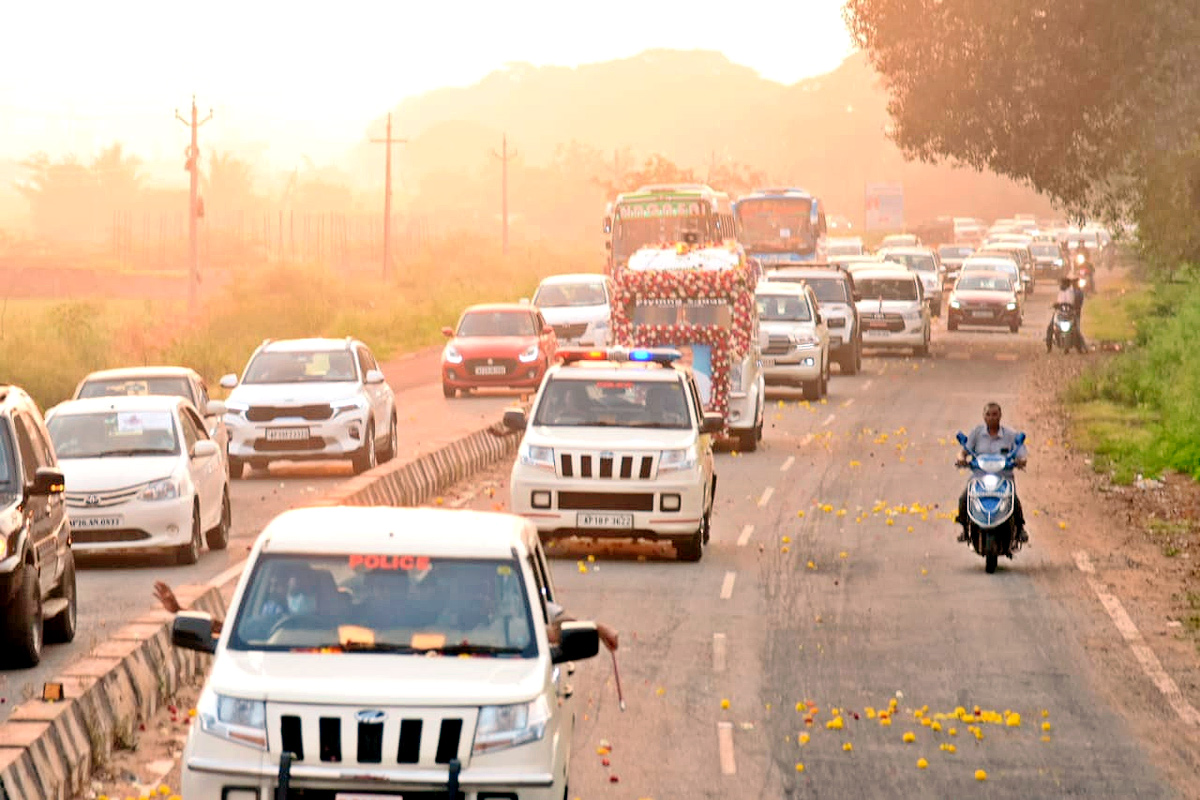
pixel 1140 412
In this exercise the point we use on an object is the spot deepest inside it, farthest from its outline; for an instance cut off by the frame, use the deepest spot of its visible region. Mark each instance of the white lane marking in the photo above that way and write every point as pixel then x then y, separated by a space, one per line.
pixel 866 385
pixel 727 585
pixel 766 496
pixel 808 437
pixel 1150 663
pixel 848 403
pixel 1006 356
pixel 228 575
pixel 747 532
pixel 725 747
pixel 718 652
pixel 828 420
pixel 788 464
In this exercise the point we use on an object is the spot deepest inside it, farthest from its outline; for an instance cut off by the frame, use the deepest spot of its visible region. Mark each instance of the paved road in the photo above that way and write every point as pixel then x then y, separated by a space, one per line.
pixel 850 613
pixel 111 592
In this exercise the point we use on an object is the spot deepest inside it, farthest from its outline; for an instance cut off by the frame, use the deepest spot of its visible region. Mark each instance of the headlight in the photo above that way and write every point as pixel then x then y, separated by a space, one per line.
pixel 452 355
pixel 501 727
pixel 235 409
pixel 1058 262
pixel 955 304
pixel 1080 258
pixel 530 354
pixel 350 404
pixel 677 460
pixel 166 489
pixel 534 456
pixel 1011 306
pixel 3 547
pixel 232 718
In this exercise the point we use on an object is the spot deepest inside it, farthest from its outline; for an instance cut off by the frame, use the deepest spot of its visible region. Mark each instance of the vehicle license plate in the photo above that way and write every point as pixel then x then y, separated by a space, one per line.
pixel 835 341
pixel 591 520
pixel 360 796
pixel 286 434
pixel 92 523
pixel 768 361
pixel 493 370
pixel 877 325
pixel 877 332
pixel 983 314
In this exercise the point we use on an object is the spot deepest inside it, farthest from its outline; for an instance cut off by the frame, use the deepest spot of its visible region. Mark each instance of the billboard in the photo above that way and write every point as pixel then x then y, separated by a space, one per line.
pixel 885 206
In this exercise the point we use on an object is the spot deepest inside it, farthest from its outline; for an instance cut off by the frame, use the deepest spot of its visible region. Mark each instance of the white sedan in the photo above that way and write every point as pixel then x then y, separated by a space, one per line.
pixel 141 473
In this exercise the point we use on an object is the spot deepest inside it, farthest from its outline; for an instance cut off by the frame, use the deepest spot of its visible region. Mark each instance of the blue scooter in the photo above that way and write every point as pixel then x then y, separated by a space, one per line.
pixel 991 496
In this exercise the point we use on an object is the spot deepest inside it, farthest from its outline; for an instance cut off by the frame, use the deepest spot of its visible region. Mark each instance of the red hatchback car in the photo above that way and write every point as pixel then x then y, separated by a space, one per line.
pixel 497 346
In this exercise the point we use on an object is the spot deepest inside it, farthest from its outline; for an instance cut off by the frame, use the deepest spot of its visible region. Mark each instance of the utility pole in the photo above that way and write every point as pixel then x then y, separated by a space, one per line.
pixel 387 198
pixel 505 156
pixel 195 209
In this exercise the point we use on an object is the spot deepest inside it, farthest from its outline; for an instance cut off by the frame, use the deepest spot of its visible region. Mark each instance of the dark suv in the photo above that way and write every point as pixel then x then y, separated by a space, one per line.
pixel 37 569
pixel 834 288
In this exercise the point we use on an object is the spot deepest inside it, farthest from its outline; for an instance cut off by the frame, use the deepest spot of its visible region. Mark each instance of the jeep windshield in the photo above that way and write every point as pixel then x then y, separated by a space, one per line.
pixel 385 603
pixel 887 289
pixel 113 433
pixel 323 366
pixel 920 263
pixel 613 403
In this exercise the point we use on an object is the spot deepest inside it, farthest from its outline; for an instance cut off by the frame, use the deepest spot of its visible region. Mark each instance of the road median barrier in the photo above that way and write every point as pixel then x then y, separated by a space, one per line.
pixel 49 749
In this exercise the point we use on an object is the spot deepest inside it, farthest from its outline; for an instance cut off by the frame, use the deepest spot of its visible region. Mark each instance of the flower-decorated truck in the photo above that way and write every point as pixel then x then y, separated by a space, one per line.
pixel 700 300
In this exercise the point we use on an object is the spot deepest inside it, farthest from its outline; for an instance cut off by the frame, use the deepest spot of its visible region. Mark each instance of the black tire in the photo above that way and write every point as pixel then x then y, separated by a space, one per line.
pixel 23 624
pixel 951 325
pixel 690 549
pixel 218 537
pixel 449 392
pixel 991 556
pixel 811 389
pixel 236 468
pixel 1014 327
pixel 747 441
pixel 393 443
pixel 62 626
pixel 189 553
pixel 365 459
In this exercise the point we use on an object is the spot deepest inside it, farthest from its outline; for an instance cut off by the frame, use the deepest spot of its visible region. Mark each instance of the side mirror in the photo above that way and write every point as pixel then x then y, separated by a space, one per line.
pixel 820 319
pixel 215 408
pixel 1020 439
pixel 229 381
pixel 448 332
pixel 712 422
pixel 576 641
pixel 857 297
pixel 515 419
pixel 547 329
pixel 47 481
pixel 374 376
pixel 193 630
pixel 524 301
pixel 205 448
pixel 608 245
pixel 962 438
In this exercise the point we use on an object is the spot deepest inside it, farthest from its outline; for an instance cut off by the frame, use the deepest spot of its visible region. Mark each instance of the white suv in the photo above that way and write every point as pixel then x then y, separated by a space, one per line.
pixel 310 400
pixel 617 445
pixel 578 306
pixel 893 309
pixel 797 349
pixel 415 653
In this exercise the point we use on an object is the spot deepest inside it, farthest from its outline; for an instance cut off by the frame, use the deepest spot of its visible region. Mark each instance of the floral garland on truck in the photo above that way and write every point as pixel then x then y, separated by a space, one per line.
pixel 733 282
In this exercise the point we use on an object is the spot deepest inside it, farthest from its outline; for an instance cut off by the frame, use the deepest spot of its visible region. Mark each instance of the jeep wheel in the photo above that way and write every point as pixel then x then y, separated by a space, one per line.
pixel 236 467
pixel 393 443
pixel 61 627
pixel 951 325
pixel 811 389
pixel 851 363
pixel 189 553
pixel 218 537
pixel 747 441
pixel 23 626
pixel 364 459
pixel 691 548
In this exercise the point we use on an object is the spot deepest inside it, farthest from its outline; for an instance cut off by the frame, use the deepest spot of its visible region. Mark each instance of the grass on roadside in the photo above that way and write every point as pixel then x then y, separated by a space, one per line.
pixel 1113 315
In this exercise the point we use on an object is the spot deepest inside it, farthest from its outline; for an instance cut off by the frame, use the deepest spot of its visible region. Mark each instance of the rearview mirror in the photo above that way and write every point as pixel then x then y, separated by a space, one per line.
pixel 229 381
pixel 215 408
pixel 1020 439
pixel 193 630
pixel 515 419
pixel 712 422
pixel 205 448
pixel 47 481
pixel 576 641
pixel 374 376
pixel 962 438
pixel 447 332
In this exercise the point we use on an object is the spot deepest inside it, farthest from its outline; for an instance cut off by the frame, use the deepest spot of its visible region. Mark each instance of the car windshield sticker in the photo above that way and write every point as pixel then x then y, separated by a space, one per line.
pixel 504 569
pixel 427 641
pixel 355 635
pixel 138 421
pixel 406 563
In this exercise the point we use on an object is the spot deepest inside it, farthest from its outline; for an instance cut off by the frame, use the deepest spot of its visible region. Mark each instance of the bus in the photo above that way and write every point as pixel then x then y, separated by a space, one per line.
pixel 781 226
pixel 699 299
pixel 663 214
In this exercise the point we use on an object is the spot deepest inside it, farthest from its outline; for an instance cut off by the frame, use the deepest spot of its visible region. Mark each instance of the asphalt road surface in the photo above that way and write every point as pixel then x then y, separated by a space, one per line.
pixel 113 591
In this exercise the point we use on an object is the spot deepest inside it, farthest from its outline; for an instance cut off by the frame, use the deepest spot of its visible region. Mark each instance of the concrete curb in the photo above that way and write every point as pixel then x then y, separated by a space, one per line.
pixel 48 751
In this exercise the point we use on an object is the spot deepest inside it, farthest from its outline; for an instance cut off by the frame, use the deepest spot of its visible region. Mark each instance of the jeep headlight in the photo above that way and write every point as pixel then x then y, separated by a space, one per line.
pixel 233 718
pixel 452 355
pixel 677 460
pixel 1012 306
pixel 955 304
pixel 235 409
pixel 533 455
pixel 166 489
pixel 349 404
pixel 529 354
pixel 501 727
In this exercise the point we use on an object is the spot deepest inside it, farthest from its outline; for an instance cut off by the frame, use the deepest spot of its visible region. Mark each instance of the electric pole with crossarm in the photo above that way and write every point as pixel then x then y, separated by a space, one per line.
pixel 387 198
pixel 195 206
pixel 505 156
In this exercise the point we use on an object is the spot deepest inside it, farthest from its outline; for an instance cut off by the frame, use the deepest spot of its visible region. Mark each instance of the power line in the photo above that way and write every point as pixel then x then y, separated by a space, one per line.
pixel 195 207
pixel 504 157
pixel 387 197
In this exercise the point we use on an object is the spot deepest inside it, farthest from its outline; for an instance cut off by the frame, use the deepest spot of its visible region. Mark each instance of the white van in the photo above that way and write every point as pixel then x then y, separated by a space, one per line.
pixel 403 651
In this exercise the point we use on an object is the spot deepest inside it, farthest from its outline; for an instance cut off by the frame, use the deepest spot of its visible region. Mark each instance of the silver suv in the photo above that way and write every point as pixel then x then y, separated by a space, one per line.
pixel 836 296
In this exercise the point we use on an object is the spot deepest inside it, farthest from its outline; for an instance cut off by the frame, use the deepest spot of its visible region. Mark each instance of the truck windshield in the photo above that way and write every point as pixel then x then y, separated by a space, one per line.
pixel 386 603
pixel 782 225
pixel 614 403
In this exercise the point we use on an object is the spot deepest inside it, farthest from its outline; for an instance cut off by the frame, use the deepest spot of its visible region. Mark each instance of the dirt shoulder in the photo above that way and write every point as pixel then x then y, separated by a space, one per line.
pixel 1144 542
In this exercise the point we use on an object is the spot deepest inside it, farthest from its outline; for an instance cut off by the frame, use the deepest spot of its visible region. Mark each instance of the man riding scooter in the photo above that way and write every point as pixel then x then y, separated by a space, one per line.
pixel 991 437
pixel 1069 294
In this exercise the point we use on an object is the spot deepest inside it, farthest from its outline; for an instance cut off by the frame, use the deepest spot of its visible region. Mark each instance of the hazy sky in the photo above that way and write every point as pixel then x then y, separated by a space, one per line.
pixel 303 77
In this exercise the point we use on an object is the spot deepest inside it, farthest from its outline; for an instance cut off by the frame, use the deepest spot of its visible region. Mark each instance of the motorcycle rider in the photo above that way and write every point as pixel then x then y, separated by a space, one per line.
pixel 1068 293
pixel 992 438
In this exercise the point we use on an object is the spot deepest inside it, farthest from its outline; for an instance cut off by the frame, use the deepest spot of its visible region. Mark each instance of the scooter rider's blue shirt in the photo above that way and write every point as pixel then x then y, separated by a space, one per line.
pixel 982 442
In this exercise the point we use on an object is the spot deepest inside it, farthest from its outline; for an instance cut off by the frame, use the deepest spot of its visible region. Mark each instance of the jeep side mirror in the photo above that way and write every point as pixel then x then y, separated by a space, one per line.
pixel 193 630
pixel 229 381
pixel 47 481
pixel 215 408
pixel 205 448
pixel 712 422
pixel 515 419
pixel 576 641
